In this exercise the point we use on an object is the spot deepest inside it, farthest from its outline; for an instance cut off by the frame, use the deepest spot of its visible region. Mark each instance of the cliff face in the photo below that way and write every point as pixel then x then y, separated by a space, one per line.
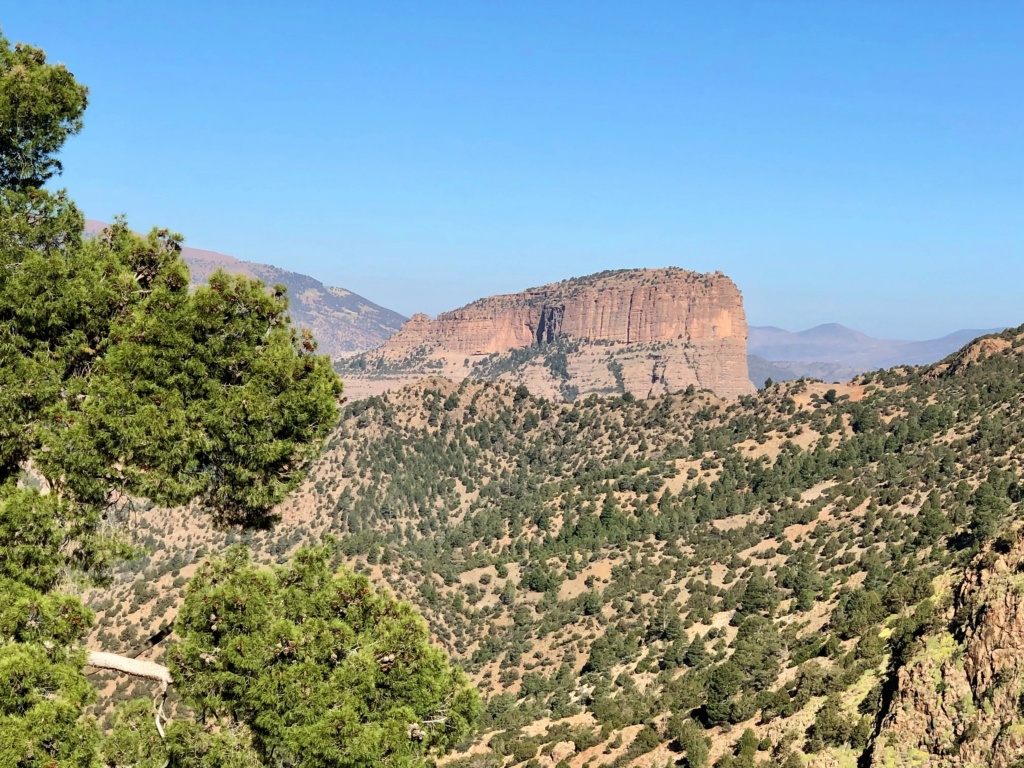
pixel 631 307
pixel 644 331
pixel 959 701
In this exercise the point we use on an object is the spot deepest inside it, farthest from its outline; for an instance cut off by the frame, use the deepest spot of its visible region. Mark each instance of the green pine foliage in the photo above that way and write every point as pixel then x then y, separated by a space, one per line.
pixel 121 389
pixel 41 105
pixel 323 669
pixel 42 689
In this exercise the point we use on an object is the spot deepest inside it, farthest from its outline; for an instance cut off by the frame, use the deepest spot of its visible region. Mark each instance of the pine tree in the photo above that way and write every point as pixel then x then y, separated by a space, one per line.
pixel 697 655
pixel 690 738
pixel 759 595
pixel 321 668
pixel 117 382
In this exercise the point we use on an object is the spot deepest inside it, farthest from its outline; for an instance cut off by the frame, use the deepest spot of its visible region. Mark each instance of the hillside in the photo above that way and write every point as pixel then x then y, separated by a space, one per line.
pixel 642 331
pixel 761 370
pixel 342 322
pixel 833 352
pixel 815 575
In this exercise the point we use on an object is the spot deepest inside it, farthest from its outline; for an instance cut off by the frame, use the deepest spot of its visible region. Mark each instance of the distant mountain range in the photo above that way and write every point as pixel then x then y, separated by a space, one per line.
pixel 833 352
pixel 343 322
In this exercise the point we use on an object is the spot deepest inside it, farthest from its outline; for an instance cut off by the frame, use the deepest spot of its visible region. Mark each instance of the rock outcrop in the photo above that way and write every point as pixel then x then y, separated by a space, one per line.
pixel 629 306
pixel 643 331
pixel 969 356
pixel 959 701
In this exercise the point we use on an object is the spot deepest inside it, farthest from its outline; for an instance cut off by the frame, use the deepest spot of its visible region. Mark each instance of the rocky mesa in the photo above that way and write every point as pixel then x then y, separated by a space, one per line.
pixel 642 331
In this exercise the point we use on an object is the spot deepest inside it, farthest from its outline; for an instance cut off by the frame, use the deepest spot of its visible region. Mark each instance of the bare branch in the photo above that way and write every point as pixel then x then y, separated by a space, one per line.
pixel 150 670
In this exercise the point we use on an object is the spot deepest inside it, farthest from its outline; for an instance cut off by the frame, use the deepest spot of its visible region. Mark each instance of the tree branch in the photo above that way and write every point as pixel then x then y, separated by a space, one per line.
pixel 147 669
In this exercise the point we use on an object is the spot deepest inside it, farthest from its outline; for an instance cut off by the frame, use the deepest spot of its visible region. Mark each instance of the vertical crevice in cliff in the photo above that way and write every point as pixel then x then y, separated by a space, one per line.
pixel 549 324
pixel 629 317
pixel 890 686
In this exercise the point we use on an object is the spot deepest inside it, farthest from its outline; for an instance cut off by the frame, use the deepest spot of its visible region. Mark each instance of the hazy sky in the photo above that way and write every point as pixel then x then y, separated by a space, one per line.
pixel 858 162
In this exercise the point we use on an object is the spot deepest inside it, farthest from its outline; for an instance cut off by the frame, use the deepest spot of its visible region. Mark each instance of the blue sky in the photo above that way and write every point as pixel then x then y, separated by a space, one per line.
pixel 856 162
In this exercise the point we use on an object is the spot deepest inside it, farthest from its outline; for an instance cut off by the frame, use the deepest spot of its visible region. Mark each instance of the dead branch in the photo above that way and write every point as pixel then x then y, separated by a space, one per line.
pixel 149 670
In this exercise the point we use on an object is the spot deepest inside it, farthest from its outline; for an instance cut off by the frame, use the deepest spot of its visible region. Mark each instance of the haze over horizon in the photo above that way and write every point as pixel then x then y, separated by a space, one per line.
pixel 855 163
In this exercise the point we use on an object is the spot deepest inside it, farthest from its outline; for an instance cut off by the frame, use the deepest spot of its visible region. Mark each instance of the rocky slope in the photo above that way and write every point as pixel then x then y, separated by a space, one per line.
pixel 958 701
pixel 643 331
pixel 342 322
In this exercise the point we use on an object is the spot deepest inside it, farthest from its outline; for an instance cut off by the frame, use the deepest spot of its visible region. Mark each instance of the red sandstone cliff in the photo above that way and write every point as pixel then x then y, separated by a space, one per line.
pixel 656 329
pixel 628 306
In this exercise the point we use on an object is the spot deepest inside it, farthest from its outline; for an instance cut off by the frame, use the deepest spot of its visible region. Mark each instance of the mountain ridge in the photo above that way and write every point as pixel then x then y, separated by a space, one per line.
pixel 833 352
pixel 342 322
